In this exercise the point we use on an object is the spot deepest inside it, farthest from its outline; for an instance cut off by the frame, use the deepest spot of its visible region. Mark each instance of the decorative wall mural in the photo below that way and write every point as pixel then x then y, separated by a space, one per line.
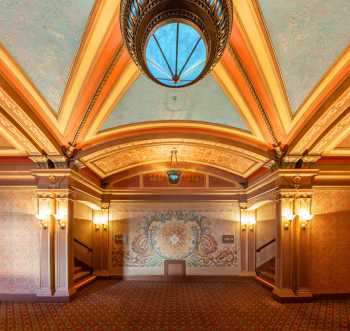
pixel 174 234
pixel 19 244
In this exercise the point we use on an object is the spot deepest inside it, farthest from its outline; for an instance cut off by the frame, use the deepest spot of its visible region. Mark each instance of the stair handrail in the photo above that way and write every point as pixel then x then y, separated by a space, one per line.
pixel 84 245
pixel 265 245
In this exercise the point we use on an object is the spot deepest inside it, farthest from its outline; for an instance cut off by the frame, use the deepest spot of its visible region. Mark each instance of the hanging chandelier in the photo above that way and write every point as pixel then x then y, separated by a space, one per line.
pixel 174 175
pixel 176 42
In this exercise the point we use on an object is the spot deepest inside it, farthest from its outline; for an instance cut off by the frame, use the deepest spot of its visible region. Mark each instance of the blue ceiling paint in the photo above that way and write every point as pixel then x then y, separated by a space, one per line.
pixel 43 36
pixel 307 36
pixel 146 101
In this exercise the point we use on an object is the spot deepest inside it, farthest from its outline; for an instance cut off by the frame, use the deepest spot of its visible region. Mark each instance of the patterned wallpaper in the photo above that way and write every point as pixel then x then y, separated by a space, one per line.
pixel 19 244
pixel 330 245
pixel 142 241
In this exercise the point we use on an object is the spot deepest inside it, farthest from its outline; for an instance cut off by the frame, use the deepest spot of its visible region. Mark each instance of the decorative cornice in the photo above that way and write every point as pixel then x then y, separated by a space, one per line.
pixel 336 109
pixel 98 92
pixel 9 105
pixel 261 109
pixel 331 139
pixel 17 136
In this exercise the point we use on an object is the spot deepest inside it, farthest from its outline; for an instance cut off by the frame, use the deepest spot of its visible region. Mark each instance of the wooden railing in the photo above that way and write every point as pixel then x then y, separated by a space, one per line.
pixel 83 245
pixel 265 245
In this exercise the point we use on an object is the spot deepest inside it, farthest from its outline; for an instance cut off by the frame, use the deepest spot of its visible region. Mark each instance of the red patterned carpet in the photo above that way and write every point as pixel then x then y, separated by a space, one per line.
pixel 238 305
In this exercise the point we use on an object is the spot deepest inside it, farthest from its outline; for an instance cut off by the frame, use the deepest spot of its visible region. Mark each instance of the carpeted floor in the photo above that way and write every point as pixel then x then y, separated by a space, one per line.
pixel 238 305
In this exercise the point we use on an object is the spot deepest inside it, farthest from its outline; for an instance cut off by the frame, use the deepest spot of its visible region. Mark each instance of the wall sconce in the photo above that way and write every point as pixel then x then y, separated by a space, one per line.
pixel 60 216
pixel 305 217
pixel 100 221
pixel 288 216
pixel 251 222
pixel 248 221
pixel 42 217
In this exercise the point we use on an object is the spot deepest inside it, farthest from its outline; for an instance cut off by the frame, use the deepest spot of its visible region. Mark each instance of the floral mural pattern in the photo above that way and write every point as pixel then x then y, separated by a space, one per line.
pixel 182 235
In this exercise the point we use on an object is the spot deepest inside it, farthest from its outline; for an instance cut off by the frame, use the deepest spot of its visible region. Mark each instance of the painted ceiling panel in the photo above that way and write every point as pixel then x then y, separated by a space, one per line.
pixel 43 36
pixel 308 37
pixel 146 101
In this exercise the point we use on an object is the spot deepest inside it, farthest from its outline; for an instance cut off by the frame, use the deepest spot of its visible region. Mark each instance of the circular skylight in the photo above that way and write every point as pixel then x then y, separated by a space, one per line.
pixel 176 54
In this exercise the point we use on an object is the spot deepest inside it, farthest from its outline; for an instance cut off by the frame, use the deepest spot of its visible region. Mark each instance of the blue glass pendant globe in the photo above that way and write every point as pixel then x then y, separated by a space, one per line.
pixel 176 54
pixel 174 176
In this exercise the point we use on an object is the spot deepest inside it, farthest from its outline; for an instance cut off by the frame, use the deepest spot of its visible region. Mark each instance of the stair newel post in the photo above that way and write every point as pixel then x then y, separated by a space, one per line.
pixel 45 211
pixel 64 245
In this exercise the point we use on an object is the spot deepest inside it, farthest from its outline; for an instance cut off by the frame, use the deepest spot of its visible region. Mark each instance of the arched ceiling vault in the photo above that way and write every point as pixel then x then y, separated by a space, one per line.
pixel 267 77
pixel 122 154
pixel 234 180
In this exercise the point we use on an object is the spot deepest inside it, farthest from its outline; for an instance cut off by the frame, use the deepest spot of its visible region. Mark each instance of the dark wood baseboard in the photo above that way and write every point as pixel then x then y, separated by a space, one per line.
pixel 331 296
pixel 292 299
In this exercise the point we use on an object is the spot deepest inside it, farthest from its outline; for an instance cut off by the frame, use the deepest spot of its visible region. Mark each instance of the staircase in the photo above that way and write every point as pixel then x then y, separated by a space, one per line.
pixel 265 272
pixel 83 271
pixel 82 277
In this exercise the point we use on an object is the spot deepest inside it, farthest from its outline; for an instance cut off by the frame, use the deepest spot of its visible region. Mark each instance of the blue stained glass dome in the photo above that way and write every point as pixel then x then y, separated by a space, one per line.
pixel 176 54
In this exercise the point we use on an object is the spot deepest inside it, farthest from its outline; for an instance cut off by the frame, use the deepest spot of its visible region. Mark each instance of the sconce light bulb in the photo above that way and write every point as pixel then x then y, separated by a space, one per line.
pixel 305 215
pixel 288 215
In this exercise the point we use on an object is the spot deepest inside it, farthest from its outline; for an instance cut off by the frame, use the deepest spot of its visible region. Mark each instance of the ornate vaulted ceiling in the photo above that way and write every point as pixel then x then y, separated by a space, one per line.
pixel 43 38
pixel 202 102
pixel 67 80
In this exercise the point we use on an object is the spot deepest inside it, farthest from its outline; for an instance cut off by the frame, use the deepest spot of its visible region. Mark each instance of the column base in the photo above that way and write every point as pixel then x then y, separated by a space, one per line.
pixel 288 295
pixel 65 293
pixel 44 292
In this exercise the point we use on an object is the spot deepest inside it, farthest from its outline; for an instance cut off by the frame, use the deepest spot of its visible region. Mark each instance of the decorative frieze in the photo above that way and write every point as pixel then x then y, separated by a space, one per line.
pixel 9 105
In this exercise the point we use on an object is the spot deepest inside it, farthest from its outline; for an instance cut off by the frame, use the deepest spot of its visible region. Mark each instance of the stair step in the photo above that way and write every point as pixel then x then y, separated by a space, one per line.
pixel 265 282
pixel 77 269
pixel 84 282
pixel 267 274
pixel 80 275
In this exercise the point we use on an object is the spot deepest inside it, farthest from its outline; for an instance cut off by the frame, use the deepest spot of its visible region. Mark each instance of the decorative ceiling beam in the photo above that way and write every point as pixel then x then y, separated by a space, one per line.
pixel 18 137
pixel 237 91
pixel 99 43
pixel 335 134
pixel 328 115
pixel 27 122
pixel 250 17
pixel 116 81
pixel 255 105
pixel 255 36
pixel 102 43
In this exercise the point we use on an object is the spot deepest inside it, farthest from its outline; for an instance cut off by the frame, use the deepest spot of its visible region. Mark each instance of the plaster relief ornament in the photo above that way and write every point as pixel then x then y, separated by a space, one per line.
pixel 176 43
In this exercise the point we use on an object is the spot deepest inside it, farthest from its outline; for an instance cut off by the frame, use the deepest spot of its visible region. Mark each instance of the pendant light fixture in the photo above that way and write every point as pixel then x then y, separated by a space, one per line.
pixel 174 175
pixel 176 42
